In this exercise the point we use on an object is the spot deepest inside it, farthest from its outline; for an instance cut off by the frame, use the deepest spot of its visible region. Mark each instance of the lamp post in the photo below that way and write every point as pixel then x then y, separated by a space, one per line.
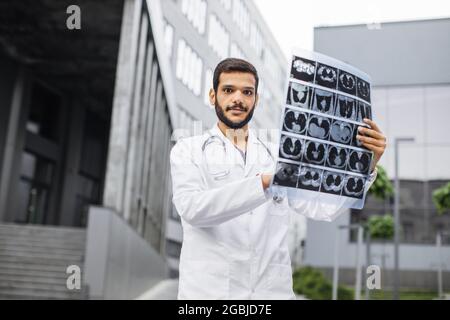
pixel 358 260
pixel 397 214
pixel 439 236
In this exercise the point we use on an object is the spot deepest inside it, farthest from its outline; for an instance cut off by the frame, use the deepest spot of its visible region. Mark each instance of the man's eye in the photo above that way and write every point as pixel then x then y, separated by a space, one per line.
pixel 248 92
pixel 227 90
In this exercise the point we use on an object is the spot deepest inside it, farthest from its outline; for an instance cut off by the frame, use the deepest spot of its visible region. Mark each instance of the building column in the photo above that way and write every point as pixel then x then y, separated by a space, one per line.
pixel 117 162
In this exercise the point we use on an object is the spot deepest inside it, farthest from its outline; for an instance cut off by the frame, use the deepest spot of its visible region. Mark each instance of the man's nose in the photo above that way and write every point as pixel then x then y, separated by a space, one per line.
pixel 238 97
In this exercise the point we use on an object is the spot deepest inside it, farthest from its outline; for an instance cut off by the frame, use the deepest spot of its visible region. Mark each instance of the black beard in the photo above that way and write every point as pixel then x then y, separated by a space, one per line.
pixel 230 124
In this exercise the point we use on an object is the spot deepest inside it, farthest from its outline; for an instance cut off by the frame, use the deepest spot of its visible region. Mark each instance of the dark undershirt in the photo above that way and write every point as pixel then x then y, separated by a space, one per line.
pixel 243 154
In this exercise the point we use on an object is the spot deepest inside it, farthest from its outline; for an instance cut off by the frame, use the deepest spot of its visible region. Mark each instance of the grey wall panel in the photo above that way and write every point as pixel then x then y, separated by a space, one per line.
pixel 119 264
pixel 398 53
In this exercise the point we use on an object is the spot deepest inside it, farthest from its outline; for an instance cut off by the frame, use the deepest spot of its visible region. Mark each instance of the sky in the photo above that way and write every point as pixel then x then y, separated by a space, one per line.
pixel 292 21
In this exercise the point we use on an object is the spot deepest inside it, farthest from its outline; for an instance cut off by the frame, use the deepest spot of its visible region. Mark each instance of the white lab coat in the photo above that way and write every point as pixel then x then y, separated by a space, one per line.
pixel 234 232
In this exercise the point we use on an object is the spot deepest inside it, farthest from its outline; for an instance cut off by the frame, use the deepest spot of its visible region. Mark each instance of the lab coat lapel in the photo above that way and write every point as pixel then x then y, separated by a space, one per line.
pixel 252 153
pixel 237 158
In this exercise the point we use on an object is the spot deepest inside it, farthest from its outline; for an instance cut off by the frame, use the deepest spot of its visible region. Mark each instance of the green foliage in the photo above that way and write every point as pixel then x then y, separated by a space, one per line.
pixel 312 284
pixel 382 187
pixel 441 198
pixel 381 227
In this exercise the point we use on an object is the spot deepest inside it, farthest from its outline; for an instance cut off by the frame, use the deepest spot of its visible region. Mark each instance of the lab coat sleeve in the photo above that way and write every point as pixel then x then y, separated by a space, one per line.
pixel 317 210
pixel 204 207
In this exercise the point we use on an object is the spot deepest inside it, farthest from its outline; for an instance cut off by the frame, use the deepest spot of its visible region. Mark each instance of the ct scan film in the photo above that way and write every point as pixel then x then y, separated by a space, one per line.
pixel 319 155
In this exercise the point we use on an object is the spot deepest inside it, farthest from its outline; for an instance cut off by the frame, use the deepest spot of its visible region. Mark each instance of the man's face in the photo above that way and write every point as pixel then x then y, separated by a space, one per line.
pixel 235 99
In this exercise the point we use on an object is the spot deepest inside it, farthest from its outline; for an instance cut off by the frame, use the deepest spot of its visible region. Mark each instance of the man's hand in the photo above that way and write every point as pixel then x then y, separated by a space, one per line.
pixel 373 140
pixel 266 178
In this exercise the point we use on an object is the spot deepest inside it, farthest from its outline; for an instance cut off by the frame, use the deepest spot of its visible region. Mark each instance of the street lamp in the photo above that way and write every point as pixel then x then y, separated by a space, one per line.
pixel 397 213
pixel 358 260
pixel 439 236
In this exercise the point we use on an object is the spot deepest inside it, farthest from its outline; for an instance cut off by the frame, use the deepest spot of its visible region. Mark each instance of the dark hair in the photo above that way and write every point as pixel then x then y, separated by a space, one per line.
pixel 234 65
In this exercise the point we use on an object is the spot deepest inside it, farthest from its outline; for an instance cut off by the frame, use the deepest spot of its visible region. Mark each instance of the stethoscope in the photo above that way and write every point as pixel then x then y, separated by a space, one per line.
pixel 220 172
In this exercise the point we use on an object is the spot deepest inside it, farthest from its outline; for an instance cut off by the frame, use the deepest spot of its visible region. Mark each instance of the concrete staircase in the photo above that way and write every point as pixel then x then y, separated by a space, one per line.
pixel 34 259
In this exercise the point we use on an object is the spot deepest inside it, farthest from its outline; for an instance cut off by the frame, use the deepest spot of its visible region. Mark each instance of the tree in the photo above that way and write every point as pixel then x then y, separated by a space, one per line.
pixel 441 198
pixel 381 227
pixel 382 187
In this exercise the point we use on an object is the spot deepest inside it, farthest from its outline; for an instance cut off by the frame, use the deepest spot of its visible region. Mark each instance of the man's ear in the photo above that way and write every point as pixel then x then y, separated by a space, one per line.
pixel 212 97
pixel 256 100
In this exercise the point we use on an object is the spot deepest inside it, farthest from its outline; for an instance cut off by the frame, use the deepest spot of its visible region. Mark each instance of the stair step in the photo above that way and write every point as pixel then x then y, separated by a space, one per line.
pixel 38 252
pixel 42 238
pixel 40 228
pixel 20 267
pixel 22 240
pixel 34 260
pixel 21 280
pixel 34 286
pixel 26 294
pixel 32 254
pixel 58 274
pixel 50 261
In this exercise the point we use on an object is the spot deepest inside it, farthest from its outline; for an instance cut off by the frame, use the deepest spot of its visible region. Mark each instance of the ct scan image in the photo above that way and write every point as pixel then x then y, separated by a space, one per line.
pixel 346 107
pixel 332 182
pixel 319 127
pixel 359 161
pixel 364 111
pixel 303 69
pixel 299 95
pixel 347 82
pixel 363 89
pixel 286 175
pixel 337 157
pixel 315 153
pixel 295 121
pixel 291 148
pixel 323 101
pixel 326 76
pixel 341 132
pixel 354 186
pixel 309 178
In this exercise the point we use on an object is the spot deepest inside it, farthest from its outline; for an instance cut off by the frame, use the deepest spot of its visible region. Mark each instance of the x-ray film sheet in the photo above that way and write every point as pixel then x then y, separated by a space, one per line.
pixel 319 156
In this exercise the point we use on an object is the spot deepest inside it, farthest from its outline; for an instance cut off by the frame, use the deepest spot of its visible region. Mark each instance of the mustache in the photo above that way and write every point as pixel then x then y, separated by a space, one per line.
pixel 236 107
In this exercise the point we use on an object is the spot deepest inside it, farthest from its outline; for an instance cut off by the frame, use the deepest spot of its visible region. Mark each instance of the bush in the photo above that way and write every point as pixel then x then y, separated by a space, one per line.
pixel 381 227
pixel 313 285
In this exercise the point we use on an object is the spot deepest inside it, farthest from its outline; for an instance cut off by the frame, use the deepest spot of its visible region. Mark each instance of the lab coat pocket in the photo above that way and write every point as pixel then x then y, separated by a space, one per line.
pixel 204 280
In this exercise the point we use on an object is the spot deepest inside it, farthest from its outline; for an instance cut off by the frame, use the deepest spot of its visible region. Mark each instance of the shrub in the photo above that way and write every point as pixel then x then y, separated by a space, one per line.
pixel 311 283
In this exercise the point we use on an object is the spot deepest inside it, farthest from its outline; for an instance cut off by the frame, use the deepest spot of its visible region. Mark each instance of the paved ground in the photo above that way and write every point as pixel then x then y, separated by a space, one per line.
pixel 165 290
pixel 168 289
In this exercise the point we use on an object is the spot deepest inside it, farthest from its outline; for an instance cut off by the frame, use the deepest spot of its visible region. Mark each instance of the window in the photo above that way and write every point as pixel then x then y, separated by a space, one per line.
pixel 256 40
pixel 173 248
pixel 218 37
pixel 236 52
pixel 241 16
pixel 208 86
pixel 273 68
pixel 226 4
pixel 189 67
pixel 168 38
pixel 195 12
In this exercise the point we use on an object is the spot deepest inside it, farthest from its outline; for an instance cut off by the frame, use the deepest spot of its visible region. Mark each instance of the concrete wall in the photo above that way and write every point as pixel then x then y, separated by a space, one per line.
pixel 119 264
pixel 421 112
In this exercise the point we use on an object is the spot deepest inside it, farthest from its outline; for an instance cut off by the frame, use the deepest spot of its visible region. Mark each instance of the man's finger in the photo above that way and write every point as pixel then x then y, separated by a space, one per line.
pixel 376 142
pixel 373 147
pixel 372 124
pixel 372 133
